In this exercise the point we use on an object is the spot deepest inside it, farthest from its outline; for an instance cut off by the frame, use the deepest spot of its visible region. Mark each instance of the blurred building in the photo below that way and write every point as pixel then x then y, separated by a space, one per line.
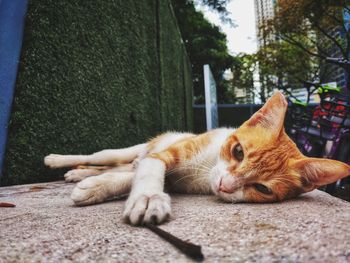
pixel 331 72
pixel 240 94
pixel 301 95
pixel 264 10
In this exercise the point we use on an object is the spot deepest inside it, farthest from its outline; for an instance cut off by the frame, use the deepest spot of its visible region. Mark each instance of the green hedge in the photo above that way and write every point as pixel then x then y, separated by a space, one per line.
pixel 95 75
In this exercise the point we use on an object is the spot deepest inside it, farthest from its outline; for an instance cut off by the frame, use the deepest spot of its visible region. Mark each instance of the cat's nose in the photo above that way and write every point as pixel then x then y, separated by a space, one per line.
pixel 229 184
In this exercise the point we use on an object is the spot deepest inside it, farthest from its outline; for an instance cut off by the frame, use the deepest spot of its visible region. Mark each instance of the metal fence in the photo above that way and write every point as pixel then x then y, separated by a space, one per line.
pixel 230 115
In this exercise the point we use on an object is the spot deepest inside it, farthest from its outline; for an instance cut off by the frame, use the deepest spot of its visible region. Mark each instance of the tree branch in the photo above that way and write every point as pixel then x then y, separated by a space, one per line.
pixel 285 89
pixel 340 22
pixel 333 39
pixel 301 46
pixel 319 48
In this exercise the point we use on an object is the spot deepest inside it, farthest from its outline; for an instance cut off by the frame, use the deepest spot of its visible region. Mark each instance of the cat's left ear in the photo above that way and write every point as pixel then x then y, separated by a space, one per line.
pixel 316 172
pixel 271 115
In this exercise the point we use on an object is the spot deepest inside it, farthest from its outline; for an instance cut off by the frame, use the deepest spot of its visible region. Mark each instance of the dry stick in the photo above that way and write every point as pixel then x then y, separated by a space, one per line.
pixel 35 188
pixel 5 204
pixel 189 249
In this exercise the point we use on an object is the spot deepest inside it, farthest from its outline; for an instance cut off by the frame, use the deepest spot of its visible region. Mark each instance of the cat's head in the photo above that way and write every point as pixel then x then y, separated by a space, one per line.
pixel 260 163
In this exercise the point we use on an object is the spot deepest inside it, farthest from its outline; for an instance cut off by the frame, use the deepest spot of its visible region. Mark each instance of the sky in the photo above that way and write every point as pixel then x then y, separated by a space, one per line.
pixel 242 37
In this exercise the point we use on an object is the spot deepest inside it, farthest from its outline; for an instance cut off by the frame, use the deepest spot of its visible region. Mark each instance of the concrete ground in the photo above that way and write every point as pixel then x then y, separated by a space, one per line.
pixel 46 227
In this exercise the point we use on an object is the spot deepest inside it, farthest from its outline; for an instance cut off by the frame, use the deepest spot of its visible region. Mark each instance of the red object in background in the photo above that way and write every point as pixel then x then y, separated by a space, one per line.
pixel 330 108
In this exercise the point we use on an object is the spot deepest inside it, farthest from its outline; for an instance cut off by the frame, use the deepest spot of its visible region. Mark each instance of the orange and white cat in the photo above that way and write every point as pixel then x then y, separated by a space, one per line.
pixel 257 162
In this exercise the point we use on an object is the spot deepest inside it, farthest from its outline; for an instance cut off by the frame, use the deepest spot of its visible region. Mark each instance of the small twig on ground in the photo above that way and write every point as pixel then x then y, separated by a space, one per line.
pixel 191 250
pixel 4 204
pixel 37 188
pixel 34 188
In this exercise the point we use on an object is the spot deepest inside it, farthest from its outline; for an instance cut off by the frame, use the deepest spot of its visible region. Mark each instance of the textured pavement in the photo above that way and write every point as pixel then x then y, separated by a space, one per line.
pixel 46 227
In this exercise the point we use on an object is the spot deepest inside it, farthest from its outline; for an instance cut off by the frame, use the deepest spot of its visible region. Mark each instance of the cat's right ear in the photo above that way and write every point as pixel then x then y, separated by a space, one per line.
pixel 316 172
pixel 271 115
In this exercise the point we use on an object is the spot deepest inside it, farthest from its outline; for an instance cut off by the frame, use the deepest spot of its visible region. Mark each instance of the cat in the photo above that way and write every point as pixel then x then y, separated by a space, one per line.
pixel 257 162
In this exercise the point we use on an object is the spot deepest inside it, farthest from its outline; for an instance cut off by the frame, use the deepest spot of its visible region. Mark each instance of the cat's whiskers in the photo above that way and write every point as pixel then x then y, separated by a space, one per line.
pixel 182 178
pixel 187 167
pixel 195 163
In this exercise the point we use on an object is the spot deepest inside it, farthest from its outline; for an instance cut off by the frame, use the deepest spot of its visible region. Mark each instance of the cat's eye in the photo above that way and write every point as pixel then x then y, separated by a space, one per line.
pixel 262 189
pixel 237 152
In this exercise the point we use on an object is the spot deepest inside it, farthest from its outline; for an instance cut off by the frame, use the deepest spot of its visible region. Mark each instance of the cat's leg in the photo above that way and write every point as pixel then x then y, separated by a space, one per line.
pixel 97 189
pixel 147 202
pixel 105 157
pixel 82 171
pixel 76 175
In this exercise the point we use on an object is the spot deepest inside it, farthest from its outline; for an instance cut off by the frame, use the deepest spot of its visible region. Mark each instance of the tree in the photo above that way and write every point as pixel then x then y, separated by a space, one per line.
pixel 205 44
pixel 285 66
pixel 243 77
pixel 220 7
pixel 314 26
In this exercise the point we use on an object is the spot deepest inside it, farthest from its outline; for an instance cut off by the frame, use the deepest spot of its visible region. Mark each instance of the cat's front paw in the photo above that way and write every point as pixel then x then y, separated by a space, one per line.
pixel 90 191
pixel 77 175
pixel 147 209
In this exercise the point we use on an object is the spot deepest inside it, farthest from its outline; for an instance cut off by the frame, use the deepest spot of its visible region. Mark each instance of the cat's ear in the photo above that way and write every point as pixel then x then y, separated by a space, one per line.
pixel 316 172
pixel 271 115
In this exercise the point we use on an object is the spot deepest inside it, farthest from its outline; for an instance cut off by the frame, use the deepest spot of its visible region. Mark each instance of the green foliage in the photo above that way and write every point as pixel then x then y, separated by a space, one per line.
pixel 205 44
pixel 95 75
pixel 243 77
pixel 298 39
pixel 316 27
pixel 282 63
pixel 218 6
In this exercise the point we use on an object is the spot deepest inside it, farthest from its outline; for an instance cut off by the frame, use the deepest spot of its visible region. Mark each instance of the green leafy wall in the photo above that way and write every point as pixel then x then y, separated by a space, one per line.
pixel 95 75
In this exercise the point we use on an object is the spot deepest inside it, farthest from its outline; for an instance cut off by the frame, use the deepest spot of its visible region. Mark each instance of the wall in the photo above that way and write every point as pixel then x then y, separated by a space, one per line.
pixel 95 75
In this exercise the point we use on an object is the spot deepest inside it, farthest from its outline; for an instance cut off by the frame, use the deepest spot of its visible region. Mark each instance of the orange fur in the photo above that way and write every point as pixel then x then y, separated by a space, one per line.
pixel 273 159
pixel 183 150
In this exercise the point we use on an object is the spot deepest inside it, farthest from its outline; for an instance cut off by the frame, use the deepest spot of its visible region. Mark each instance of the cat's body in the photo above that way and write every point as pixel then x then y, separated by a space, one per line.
pixel 190 173
pixel 255 163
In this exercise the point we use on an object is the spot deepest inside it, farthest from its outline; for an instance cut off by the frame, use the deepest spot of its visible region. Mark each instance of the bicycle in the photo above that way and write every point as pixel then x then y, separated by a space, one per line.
pixel 324 131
